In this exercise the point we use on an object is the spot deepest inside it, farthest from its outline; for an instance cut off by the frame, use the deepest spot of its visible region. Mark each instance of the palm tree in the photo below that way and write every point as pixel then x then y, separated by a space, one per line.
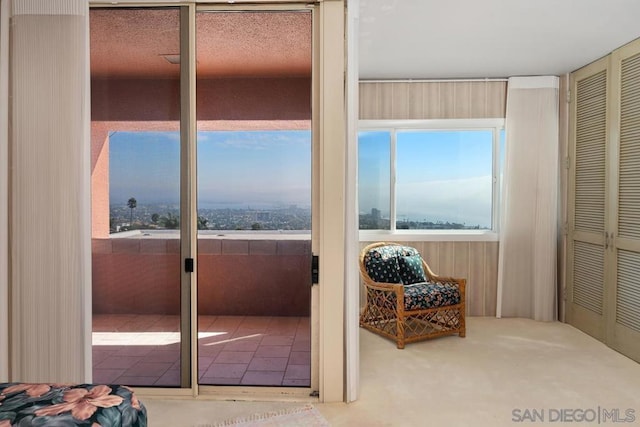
pixel 132 203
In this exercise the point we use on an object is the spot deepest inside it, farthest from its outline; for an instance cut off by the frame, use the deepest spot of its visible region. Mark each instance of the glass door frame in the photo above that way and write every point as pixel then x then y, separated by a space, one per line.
pixel 188 208
pixel 188 203
pixel 189 190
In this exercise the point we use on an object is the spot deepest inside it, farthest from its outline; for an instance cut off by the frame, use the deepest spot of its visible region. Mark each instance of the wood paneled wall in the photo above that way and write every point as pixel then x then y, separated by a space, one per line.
pixel 432 100
pixel 475 261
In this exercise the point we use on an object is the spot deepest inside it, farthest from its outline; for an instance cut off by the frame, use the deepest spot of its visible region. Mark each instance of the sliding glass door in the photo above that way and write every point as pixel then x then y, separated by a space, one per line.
pixel 202 196
pixel 135 136
pixel 254 197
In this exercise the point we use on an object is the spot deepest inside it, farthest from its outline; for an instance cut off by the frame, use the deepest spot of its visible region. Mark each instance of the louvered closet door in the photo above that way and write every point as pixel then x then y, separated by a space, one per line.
pixel 623 308
pixel 587 214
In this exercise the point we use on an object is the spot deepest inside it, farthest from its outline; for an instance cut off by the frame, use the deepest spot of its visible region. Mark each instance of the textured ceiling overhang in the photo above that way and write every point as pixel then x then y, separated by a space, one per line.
pixel 137 43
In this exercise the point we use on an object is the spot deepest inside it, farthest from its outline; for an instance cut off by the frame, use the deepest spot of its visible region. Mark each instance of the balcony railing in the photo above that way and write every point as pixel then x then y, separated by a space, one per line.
pixel 257 274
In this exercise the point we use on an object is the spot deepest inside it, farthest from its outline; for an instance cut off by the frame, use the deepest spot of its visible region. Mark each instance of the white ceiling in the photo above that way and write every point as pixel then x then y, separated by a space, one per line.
pixel 446 39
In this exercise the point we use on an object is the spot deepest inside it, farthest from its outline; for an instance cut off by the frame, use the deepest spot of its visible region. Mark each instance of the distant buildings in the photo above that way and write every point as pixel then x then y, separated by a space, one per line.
pixel 286 218
pixel 281 218
pixel 374 221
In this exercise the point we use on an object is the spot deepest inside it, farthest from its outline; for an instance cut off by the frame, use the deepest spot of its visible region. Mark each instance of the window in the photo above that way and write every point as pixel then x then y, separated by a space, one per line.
pixel 429 175
pixel 374 175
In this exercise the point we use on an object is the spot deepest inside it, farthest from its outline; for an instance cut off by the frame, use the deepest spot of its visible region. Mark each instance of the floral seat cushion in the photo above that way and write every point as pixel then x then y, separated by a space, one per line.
pixel 423 295
pixel 91 405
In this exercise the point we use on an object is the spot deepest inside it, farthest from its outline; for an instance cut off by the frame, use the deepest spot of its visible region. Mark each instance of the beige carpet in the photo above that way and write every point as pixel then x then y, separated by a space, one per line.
pixel 303 416
pixel 503 368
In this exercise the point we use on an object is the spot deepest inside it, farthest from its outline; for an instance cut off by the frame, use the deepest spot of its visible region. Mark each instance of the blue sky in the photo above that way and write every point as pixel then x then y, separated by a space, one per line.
pixel 374 171
pixel 235 169
pixel 144 165
pixel 441 176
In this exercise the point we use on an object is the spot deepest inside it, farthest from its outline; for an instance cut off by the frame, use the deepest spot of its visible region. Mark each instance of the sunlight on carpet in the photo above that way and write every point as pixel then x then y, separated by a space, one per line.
pixel 307 416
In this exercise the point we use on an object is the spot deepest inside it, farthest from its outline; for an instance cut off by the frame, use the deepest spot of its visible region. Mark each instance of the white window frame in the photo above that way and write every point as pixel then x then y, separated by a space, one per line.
pixel 395 126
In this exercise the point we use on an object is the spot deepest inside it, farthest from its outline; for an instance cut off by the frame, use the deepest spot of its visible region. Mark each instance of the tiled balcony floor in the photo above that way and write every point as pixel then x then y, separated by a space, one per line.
pixel 143 350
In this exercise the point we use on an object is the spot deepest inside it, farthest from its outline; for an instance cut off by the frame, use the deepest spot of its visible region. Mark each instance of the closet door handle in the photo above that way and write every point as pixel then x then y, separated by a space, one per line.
pixel 606 240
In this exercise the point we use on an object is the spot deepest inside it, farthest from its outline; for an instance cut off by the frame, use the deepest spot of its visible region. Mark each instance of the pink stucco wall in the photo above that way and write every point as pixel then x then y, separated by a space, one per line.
pixel 222 104
pixel 236 277
pixel 217 99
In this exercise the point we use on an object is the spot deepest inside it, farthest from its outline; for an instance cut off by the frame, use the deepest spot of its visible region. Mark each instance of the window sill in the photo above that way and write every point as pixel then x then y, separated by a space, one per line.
pixel 429 236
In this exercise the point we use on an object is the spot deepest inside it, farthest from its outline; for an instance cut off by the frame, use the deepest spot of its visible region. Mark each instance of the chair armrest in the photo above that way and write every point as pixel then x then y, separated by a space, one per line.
pixel 433 277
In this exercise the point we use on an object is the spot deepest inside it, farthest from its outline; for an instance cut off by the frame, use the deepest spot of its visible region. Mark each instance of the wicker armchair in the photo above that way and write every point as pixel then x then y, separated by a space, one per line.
pixel 405 300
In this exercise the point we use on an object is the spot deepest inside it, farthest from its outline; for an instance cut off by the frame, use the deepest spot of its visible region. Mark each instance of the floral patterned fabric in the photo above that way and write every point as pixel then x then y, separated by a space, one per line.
pixel 62 405
pixel 411 270
pixel 430 295
pixel 394 264
pixel 403 264
pixel 382 264
pixel 406 251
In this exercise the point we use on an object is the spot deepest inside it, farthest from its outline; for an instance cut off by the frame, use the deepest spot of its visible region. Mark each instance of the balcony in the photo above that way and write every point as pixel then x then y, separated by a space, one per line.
pixel 254 293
